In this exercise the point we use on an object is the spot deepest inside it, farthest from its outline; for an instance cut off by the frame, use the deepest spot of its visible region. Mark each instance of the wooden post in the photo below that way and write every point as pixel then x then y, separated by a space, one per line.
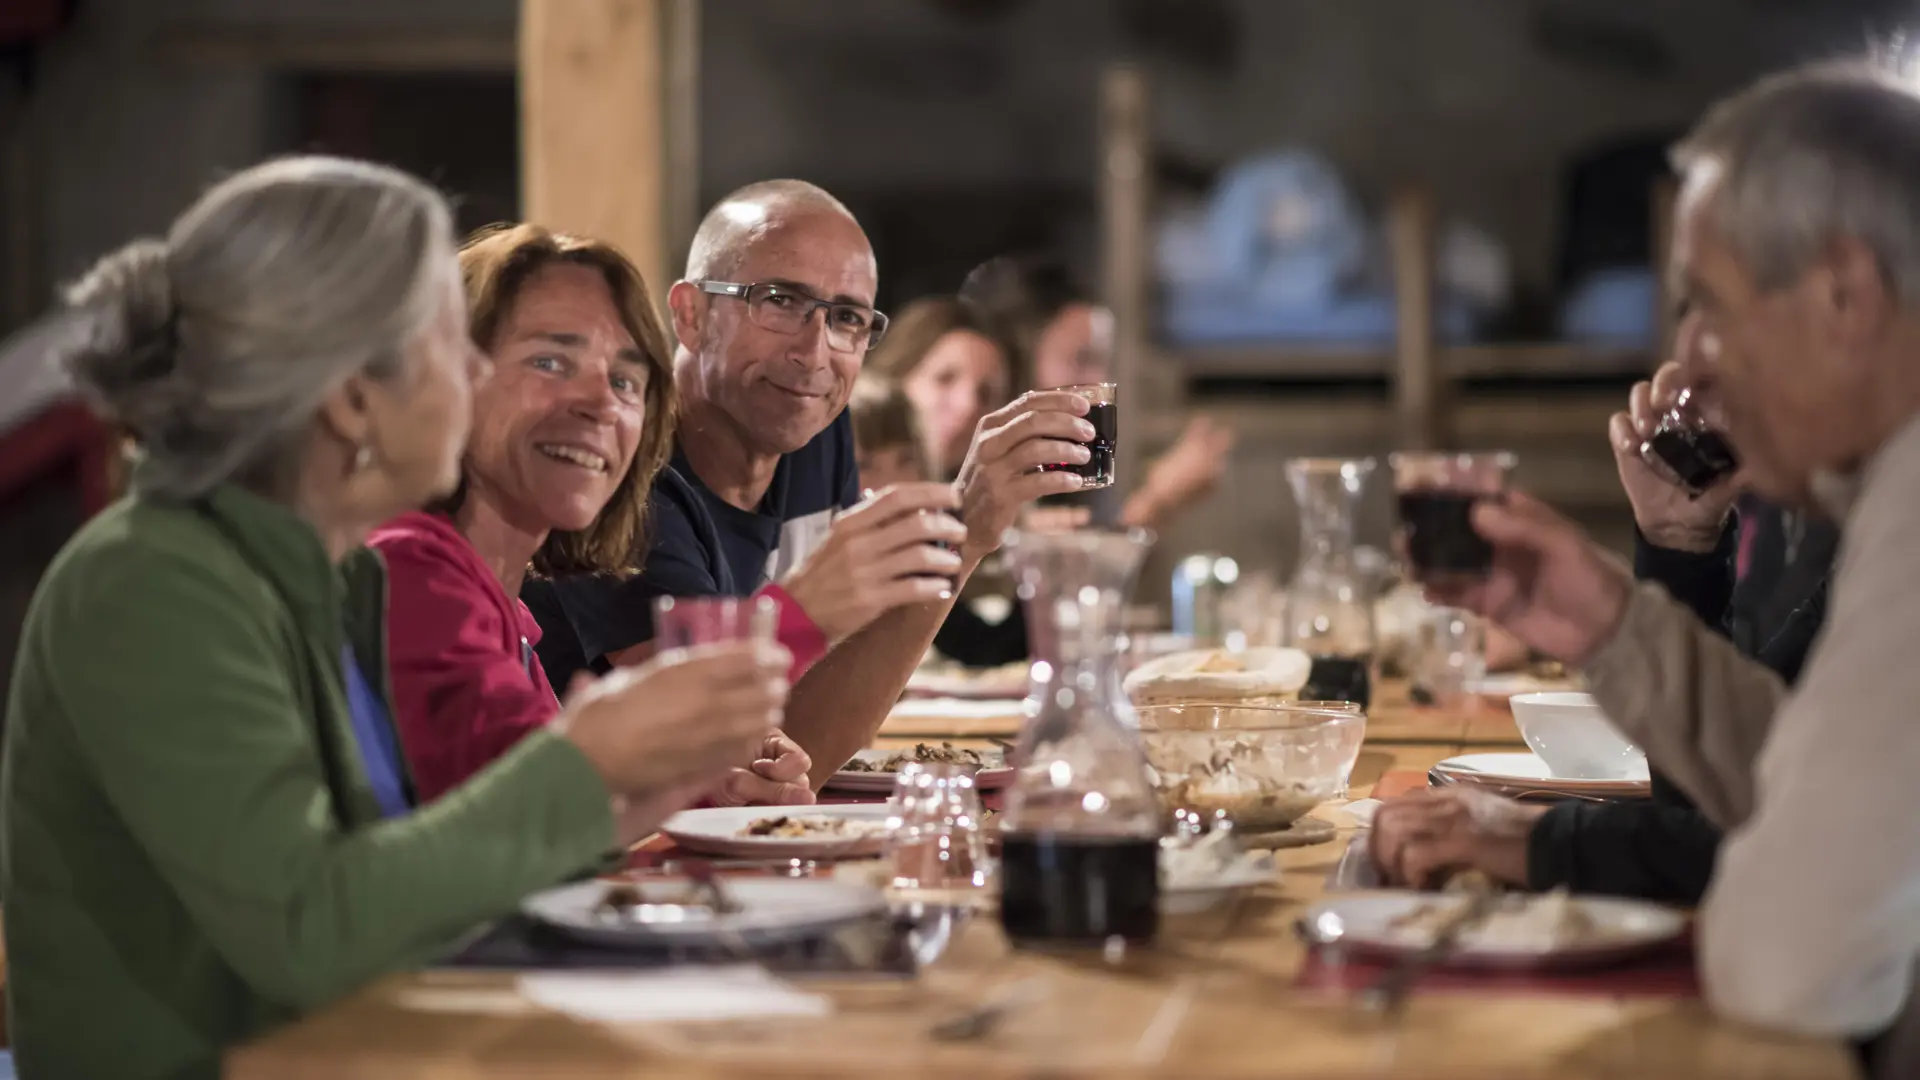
pixel 1418 385
pixel 681 204
pixel 592 124
pixel 1125 189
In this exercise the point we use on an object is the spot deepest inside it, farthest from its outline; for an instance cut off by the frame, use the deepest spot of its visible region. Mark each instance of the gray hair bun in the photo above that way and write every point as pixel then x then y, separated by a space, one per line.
pixel 127 356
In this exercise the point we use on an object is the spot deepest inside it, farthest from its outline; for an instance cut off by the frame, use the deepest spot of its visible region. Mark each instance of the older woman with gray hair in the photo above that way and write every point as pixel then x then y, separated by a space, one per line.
pixel 208 826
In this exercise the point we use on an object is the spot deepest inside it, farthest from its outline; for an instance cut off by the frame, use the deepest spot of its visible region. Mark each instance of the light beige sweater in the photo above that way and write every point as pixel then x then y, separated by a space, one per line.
pixel 1812 923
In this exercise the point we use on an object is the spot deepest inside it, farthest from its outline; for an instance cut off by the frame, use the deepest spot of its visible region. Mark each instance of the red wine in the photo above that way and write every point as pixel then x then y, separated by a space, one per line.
pixel 1440 534
pixel 1700 458
pixel 1340 678
pixel 1063 889
pixel 1098 471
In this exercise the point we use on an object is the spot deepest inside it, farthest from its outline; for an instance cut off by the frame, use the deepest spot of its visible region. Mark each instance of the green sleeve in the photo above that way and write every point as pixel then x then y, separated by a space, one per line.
pixel 176 680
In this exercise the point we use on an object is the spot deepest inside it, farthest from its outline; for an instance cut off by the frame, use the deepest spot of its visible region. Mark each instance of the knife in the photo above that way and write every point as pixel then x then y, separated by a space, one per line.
pixel 1389 995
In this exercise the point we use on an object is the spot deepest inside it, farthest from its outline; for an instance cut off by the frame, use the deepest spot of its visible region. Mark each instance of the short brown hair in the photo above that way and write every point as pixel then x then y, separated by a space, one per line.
pixel 883 418
pixel 496 263
pixel 918 327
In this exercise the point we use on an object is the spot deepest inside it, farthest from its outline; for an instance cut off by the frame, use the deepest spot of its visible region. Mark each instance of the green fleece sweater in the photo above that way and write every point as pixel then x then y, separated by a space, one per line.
pixel 191 851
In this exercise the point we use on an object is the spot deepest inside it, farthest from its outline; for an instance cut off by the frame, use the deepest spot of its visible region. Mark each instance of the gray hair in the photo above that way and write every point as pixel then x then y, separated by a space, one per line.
pixel 216 345
pixel 1813 154
pixel 747 214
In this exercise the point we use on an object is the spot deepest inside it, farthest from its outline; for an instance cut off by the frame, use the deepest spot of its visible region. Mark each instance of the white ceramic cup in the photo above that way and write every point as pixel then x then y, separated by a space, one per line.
pixel 1576 739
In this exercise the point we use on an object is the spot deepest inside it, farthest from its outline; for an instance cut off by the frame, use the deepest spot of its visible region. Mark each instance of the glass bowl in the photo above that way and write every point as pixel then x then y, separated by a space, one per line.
pixel 1262 766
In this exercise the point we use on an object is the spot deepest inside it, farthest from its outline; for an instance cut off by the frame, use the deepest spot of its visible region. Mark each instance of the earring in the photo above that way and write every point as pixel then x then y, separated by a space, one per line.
pixel 362 457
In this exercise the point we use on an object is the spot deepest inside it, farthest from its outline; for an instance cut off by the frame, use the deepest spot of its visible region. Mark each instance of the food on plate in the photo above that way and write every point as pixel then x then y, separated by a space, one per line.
pixel 1197 862
pixel 1518 922
pixel 627 900
pixel 621 898
pixel 1260 675
pixel 814 827
pixel 924 753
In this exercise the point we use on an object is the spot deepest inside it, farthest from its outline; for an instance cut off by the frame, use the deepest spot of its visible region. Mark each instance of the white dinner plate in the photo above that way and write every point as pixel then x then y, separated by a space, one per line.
pixel 990 777
pixel 1009 682
pixel 776 909
pixel 1519 773
pixel 1362 922
pixel 716 831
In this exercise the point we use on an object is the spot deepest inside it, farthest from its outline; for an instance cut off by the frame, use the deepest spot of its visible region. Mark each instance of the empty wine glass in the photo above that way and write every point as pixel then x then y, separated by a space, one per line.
pixel 934 842
pixel 681 622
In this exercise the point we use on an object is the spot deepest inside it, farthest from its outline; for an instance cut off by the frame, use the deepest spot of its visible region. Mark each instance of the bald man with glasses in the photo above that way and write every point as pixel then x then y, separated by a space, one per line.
pixel 774 320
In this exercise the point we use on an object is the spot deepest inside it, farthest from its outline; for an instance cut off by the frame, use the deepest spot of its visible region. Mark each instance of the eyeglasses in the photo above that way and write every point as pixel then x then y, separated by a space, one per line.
pixel 784 309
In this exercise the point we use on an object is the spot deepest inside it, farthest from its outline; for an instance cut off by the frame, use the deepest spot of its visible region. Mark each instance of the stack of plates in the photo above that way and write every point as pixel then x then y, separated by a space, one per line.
pixel 1515 775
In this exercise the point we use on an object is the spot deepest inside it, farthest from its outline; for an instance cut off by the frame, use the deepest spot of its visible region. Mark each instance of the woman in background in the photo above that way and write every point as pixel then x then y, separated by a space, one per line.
pixel 568 433
pixel 208 827
pixel 941 357
pixel 1055 336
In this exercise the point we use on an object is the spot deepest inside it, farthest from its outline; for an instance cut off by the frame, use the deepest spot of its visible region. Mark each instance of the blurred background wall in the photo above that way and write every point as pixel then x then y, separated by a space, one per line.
pixel 956 129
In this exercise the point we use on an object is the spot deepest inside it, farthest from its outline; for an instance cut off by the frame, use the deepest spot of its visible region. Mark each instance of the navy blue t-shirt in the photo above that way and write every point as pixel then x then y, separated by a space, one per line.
pixel 698 545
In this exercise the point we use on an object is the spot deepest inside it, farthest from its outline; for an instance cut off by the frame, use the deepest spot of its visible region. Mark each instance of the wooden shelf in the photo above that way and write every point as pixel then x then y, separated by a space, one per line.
pixel 1530 360
pixel 1427 383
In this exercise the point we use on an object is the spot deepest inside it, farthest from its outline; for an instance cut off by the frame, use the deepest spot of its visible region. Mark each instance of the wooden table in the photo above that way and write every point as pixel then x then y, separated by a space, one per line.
pixel 1215 999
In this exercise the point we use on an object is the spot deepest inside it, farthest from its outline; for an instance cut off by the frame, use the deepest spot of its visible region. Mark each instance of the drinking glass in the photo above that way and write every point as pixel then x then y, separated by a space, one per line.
pixel 1686 449
pixel 1104 415
pixel 1450 656
pixel 934 842
pixel 1436 493
pixel 681 622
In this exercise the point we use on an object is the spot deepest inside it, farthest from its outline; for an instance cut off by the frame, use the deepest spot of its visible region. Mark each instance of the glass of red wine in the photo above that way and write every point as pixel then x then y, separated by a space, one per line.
pixel 1685 449
pixel 1104 415
pixel 1436 493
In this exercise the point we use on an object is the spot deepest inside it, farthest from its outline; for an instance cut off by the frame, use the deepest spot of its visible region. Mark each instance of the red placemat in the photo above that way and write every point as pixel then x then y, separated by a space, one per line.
pixel 1668 972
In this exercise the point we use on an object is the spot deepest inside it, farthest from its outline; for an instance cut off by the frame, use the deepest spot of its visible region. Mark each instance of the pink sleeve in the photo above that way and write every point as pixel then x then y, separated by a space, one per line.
pixel 798 632
pixel 461 696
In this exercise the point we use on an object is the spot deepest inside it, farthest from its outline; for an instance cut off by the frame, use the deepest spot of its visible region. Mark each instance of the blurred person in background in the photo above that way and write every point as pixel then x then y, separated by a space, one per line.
pixel 941 356
pixel 774 320
pixel 1057 337
pixel 886 435
pixel 569 431
pixel 208 826
pixel 1797 252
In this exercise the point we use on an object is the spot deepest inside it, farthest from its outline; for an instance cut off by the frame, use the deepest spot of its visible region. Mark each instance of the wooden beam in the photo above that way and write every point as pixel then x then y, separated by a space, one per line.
pixel 681 203
pixel 1125 198
pixel 401 50
pixel 592 125
pixel 1418 388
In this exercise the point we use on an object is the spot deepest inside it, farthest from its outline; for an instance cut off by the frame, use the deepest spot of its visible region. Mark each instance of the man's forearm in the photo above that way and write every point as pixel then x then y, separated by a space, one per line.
pixel 839 704
pixel 1700 709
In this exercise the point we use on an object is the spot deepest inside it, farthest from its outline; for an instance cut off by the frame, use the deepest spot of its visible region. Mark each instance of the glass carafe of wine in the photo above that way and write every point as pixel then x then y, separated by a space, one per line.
pixel 1329 604
pixel 1079 860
